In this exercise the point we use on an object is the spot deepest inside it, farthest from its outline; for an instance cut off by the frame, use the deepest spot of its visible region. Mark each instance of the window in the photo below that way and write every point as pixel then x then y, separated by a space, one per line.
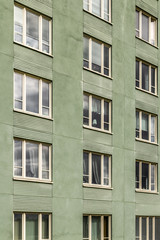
pixel 32 29
pixel 96 169
pixel 146 76
pixel 100 8
pixel 96 112
pixel 146 176
pixel 96 56
pixel 96 227
pixel 32 160
pixel 147 228
pixel 146 27
pixel 32 226
pixel 146 126
pixel 32 95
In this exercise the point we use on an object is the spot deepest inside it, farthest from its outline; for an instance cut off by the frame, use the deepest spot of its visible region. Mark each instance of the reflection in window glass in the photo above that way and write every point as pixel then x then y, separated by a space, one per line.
pixel 145 27
pixel 31 226
pixel 32 30
pixel 137 24
pixel 137 174
pixel 106 10
pixel 17 226
pixel 96 112
pixel 18 83
pixel 86 52
pixel 153 31
pixel 18 24
pixel 45 35
pixel 86 5
pixel 32 94
pixel 137 73
pixel 45 162
pixel 96 7
pixel 17 158
pixel 96 228
pixel 32 156
pixel 85 167
pixel 45 98
pixel 85 109
pixel 145 76
pixel 96 169
pixel 145 132
pixel 96 56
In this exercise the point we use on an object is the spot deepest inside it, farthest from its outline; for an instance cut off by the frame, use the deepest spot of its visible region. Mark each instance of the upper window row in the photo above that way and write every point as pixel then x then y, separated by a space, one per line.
pixel 32 29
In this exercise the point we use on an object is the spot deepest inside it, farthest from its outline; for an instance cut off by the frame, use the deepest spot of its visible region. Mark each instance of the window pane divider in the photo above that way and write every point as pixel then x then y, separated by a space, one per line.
pixel 40 161
pixel 40 97
pixel 90 168
pixel 102 170
pixel 40 33
pixel 23 159
pixel 24 92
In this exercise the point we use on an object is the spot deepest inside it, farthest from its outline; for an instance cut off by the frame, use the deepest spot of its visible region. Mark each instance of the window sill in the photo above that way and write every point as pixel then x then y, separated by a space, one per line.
pixel 142 90
pixel 32 180
pixel 100 74
pixel 97 186
pixel 34 49
pixel 155 46
pixel 145 141
pixel 109 22
pixel 145 191
pixel 33 114
pixel 96 129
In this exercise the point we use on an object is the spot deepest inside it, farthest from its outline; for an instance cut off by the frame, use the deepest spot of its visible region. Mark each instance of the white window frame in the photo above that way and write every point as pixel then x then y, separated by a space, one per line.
pixel 140 177
pixel 39 224
pixel 149 130
pixel 102 226
pixel 102 113
pixel 102 185
pixel 89 3
pixel 102 56
pixel 24 75
pixel 25 9
pixel 140 76
pixel 24 177
pixel 140 26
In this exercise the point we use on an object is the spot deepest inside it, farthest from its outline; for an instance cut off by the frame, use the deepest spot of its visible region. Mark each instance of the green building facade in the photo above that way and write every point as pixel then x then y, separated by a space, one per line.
pixel 79 120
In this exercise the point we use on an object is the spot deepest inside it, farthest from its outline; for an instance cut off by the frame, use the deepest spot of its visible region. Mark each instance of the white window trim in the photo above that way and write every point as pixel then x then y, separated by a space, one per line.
pixel 23 110
pixel 102 226
pixel 102 10
pixel 39 225
pixel 140 77
pixel 102 57
pixel 140 189
pixel 40 29
pixel 102 114
pixel 23 177
pixel 102 185
pixel 140 26
pixel 149 130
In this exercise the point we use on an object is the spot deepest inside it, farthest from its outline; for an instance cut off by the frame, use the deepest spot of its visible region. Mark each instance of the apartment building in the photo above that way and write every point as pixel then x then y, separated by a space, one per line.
pixel 79 120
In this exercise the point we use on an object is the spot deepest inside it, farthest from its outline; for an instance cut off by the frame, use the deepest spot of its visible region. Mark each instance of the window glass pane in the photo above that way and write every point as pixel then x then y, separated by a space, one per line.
pixel 153 80
pixel 150 228
pixel 144 228
pixel 45 35
pixel 153 31
pixel 96 7
pixel 153 168
pixel 32 156
pixel 17 226
pixel 106 60
pixel 96 169
pixel 31 226
pixel 32 30
pixel 86 52
pixel 145 133
pixel 145 176
pixel 137 73
pixel 157 228
pixel 152 129
pixel 96 112
pixel 86 109
pixel 137 227
pixel 32 94
pixel 96 228
pixel 86 5
pixel 18 80
pixel 106 115
pixel 145 27
pixel 106 227
pixel 137 124
pixel 145 76
pixel 18 24
pixel 45 98
pixel 45 161
pixel 137 174
pixel 85 167
pixel 96 56
pixel 45 226
pixel 17 158
pixel 137 24
pixel 106 170
pixel 106 10
pixel 85 227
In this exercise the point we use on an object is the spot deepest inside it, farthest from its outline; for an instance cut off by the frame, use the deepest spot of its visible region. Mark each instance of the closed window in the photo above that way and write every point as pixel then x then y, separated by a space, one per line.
pixel 96 112
pixel 96 227
pixel 32 95
pixel 32 160
pixel 32 29
pixel 146 126
pixel 146 76
pixel 100 8
pixel 147 228
pixel 146 176
pixel 96 56
pixel 35 226
pixel 146 27
pixel 96 169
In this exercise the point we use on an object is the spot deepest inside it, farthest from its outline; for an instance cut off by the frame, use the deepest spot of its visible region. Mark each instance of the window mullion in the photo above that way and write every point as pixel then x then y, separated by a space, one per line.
pixel 109 62
pixel 50 99
pixel 102 113
pixel 90 53
pixel 40 33
pixel 23 226
pixel 147 228
pixel 149 78
pixel 153 227
pixel 50 37
pixel 110 119
pixel 140 175
pixel 109 226
pixel 24 26
pixel 90 168
pixel 24 158
pixel 90 6
pixel 102 227
pixel 40 96
pixel 50 164
pixel 155 174
pixel 149 176
pixel 140 24
pixel 90 110
pixel 90 226
pixel 110 10
pixel 140 74
pixel 40 161
pixel 24 92
pixel 140 228
pixel 102 58
pixel 39 226
pixel 50 227
pixel 102 9
pixel 102 169
pixel 110 169
pixel 149 127
pixel 140 124
pixel 149 29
